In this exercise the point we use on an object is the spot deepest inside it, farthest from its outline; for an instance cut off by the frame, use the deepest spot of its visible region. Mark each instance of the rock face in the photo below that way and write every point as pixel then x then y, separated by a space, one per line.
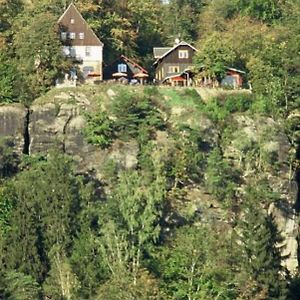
pixel 61 123
pixel 13 122
pixel 270 140
pixel 287 221
pixel 52 125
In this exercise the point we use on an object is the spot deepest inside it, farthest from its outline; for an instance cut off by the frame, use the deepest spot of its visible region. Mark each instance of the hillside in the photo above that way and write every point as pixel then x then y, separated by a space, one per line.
pixel 130 180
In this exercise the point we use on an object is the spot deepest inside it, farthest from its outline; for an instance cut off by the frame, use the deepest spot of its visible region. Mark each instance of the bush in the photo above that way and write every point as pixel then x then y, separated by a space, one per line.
pixel 215 111
pixel 238 103
pixel 99 130
pixel 8 158
pixel 131 111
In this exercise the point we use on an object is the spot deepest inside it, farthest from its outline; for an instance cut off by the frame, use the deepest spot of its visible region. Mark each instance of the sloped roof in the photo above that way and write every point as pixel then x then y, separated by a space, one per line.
pixel 182 43
pixel 235 70
pixel 78 26
pixel 134 66
pixel 160 51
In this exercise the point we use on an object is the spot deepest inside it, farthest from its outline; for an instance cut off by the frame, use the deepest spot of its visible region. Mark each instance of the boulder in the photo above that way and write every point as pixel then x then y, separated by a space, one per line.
pixel 13 122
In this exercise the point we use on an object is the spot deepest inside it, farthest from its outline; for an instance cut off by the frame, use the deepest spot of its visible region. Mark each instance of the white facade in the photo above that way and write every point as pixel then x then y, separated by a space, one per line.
pixel 90 58
pixel 84 53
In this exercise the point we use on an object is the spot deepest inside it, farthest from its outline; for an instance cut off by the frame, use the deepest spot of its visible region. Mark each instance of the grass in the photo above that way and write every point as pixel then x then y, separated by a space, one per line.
pixel 182 97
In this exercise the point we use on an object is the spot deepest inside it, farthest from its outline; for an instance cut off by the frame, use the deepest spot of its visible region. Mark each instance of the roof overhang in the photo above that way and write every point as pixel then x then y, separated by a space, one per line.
pixel 172 49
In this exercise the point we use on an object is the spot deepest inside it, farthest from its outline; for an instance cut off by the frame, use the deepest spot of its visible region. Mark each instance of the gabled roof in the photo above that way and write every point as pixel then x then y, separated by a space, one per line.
pixel 182 43
pixel 227 68
pixel 78 26
pixel 160 51
pixel 134 64
pixel 235 70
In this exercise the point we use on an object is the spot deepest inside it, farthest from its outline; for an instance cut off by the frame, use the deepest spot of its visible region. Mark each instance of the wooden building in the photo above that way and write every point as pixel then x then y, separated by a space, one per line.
pixel 232 78
pixel 172 64
pixel 80 43
pixel 126 68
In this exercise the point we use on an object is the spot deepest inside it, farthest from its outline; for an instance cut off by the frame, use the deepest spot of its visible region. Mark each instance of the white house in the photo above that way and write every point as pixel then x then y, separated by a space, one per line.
pixel 80 43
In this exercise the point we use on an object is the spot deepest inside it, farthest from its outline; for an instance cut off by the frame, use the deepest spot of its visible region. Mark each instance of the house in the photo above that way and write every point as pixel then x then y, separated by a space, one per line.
pixel 81 44
pixel 126 68
pixel 172 63
pixel 232 78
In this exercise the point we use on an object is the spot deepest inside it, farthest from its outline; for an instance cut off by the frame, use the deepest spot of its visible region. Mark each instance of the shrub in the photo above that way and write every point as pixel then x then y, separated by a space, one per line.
pixel 131 111
pixel 99 130
pixel 238 103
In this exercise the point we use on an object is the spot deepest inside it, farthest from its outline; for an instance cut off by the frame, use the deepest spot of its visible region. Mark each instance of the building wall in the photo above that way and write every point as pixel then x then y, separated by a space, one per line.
pixel 94 60
pixel 173 57
pixel 173 60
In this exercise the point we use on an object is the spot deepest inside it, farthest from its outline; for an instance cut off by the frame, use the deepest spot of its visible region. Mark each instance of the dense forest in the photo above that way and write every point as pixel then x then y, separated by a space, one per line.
pixel 137 232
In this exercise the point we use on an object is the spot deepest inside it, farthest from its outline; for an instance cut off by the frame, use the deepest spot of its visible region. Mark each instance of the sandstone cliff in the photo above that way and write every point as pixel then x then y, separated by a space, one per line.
pixel 57 120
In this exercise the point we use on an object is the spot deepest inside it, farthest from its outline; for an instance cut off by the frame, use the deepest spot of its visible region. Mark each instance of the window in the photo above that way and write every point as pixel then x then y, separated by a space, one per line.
pixel 72 52
pixel 81 35
pixel 72 21
pixel 72 35
pixel 173 69
pixel 87 51
pixel 63 36
pixel 122 68
pixel 183 54
pixel 87 70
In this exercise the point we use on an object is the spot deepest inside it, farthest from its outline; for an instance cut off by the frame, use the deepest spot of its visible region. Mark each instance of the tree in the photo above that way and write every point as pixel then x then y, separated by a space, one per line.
pixel 261 261
pixel 61 282
pixel 19 286
pixel 213 56
pixel 182 18
pixel 38 51
pixel 8 78
pixel 8 158
pixel 132 225
pixel 195 265
pixel 265 10
pixel 220 178
pixel 45 204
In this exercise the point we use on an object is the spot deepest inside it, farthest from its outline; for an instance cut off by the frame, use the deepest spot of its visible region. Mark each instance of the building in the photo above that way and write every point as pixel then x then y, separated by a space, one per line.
pixel 81 44
pixel 172 64
pixel 232 78
pixel 126 68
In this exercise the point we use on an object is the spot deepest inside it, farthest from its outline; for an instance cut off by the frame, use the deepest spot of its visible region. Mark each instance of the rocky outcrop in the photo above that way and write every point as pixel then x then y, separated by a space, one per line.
pixel 61 125
pixel 13 123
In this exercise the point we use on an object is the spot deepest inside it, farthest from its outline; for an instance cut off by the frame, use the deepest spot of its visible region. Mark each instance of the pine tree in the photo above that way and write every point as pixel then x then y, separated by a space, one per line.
pixel 261 261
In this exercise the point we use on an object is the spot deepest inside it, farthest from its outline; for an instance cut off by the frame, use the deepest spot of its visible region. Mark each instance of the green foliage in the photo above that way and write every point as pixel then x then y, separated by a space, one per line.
pixel 238 103
pixel 213 56
pixel 190 271
pixel 8 79
pixel 220 177
pixel 45 199
pixel 20 286
pixel 129 116
pixel 185 14
pixel 265 10
pixel 132 111
pixel 260 239
pixel 99 129
pixel 8 158
pixel 38 52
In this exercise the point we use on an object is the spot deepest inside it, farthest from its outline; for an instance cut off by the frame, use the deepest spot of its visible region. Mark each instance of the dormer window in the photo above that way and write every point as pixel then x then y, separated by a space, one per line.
pixel 122 68
pixel 72 35
pixel 183 54
pixel 63 36
pixel 72 21
pixel 81 35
